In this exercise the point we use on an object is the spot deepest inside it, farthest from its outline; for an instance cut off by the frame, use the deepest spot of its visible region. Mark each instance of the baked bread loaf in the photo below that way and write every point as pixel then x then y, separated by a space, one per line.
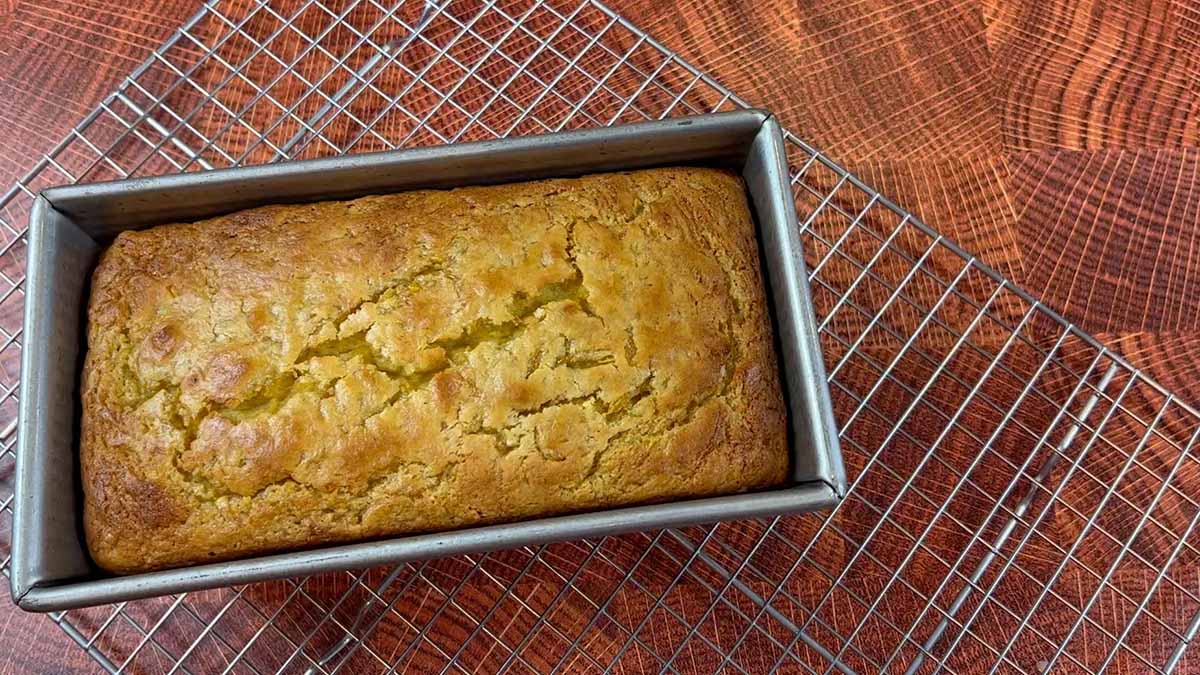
pixel 290 376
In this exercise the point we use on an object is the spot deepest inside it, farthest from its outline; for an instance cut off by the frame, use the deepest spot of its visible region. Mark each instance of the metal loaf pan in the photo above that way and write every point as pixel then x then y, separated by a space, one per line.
pixel 51 569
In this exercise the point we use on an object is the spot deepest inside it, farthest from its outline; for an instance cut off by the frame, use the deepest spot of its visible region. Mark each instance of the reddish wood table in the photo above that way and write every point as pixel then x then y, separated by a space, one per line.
pixel 1054 139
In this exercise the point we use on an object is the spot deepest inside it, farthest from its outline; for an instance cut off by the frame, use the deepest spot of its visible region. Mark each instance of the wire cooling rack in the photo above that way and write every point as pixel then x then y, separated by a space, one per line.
pixel 1022 499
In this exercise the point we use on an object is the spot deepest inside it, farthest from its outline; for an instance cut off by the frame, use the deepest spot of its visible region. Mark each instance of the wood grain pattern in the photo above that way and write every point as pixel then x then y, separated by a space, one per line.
pixel 864 80
pixel 57 60
pixel 32 644
pixel 1110 235
pixel 1094 74
pixel 1056 140
pixel 966 196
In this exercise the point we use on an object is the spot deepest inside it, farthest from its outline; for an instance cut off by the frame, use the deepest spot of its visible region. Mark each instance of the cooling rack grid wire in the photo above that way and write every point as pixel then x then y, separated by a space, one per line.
pixel 1022 499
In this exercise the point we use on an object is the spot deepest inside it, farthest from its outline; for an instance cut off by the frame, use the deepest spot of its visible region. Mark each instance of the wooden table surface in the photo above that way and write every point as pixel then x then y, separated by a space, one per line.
pixel 1057 140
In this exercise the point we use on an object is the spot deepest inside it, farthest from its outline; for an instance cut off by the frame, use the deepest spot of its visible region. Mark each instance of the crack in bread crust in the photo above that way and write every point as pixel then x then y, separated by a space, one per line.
pixel 408 378
pixel 291 376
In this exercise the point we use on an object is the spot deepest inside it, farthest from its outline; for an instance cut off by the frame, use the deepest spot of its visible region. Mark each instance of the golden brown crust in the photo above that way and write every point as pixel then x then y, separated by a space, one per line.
pixel 296 375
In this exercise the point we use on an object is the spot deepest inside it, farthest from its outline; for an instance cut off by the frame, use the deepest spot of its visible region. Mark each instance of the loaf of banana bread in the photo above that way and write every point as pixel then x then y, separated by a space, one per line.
pixel 291 376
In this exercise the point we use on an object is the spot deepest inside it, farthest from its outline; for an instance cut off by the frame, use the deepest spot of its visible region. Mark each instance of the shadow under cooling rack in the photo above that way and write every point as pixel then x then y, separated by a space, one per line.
pixel 1021 498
